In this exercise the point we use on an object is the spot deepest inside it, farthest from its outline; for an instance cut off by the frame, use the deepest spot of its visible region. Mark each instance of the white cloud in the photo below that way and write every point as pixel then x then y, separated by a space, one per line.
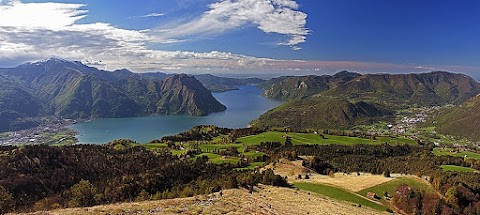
pixel 33 31
pixel 153 15
pixel 36 30
pixel 40 15
pixel 271 16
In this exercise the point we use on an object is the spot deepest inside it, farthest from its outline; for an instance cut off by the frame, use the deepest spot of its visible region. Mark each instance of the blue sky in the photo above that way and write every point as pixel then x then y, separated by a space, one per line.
pixel 246 36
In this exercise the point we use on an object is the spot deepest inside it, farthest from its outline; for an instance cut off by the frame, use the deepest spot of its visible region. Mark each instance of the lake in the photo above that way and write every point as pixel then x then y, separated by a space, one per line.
pixel 243 106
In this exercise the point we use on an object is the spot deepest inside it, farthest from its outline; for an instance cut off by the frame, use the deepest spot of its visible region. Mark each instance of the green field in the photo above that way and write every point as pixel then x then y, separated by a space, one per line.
pixel 454 168
pixel 338 194
pixel 215 158
pixel 447 152
pixel 154 146
pixel 218 144
pixel 391 186
pixel 314 139
pixel 252 166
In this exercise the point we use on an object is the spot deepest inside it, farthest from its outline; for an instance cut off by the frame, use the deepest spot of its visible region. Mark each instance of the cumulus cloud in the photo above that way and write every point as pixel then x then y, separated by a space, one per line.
pixel 33 31
pixel 271 16
pixel 40 15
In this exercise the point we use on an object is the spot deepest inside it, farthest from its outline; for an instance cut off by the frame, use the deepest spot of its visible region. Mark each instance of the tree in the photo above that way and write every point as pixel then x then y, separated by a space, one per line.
pixel 6 201
pixel 386 173
pixel 142 196
pixel 451 196
pixel 288 141
pixel 83 194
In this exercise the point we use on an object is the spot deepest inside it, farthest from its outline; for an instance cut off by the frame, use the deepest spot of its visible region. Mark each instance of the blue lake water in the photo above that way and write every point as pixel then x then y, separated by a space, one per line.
pixel 243 106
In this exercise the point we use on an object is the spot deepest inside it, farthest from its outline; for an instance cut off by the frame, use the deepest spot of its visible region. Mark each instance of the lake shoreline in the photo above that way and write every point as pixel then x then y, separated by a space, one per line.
pixel 243 106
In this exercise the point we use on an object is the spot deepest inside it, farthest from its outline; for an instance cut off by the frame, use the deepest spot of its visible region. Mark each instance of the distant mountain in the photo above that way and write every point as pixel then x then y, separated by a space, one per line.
pixel 211 82
pixel 297 87
pixel 461 121
pixel 322 113
pixel 221 84
pixel 73 90
pixel 434 88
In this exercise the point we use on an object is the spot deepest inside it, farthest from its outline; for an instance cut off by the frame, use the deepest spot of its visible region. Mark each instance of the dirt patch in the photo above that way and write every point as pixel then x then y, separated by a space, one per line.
pixel 291 169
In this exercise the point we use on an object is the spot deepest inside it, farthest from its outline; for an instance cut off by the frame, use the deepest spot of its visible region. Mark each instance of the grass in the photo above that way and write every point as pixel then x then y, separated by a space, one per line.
pixel 217 144
pixel 447 152
pixel 454 168
pixel 218 159
pixel 154 146
pixel 316 139
pixel 252 166
pixel 338 194
pixel 391 186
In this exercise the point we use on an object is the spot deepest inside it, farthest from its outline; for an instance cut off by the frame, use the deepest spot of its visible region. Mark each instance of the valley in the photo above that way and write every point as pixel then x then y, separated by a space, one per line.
pixel 344 140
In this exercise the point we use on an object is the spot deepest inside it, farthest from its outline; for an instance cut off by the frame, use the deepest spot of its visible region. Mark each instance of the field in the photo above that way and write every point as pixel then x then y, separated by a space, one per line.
pixel 265 200
pixel 351 182
pixel 211 148
pixel 391 186
pixel 339 194
pixel 454 168
pixel 450 152
pixel 316 139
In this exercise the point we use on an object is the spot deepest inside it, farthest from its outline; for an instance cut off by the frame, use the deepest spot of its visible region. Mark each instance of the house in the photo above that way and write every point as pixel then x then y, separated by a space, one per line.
pixel 372 195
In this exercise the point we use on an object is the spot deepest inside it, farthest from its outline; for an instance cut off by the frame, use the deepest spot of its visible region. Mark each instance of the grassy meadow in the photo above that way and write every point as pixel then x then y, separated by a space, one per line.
pixel 338 194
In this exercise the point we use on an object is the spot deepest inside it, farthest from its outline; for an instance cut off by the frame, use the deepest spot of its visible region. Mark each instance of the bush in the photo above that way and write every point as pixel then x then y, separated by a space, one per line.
pixel 6 201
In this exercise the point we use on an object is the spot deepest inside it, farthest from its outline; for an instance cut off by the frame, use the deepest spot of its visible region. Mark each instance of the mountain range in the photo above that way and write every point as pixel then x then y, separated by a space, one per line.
pixel 74 90
pixel 347 99
pixel 434 88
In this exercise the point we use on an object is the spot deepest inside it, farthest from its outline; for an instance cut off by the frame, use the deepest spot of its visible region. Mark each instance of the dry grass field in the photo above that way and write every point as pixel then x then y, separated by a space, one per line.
pixel 265 201
pixel 350 182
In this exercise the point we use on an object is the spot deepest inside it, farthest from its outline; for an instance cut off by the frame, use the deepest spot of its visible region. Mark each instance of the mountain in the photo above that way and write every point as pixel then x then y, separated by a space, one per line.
pixel 461 121
pixel 434 88
pixel 185 94
pixel 297 87
pixel 222 84
pixel 73 90
pixel 16 102
pixel 211 82
pixel 322 113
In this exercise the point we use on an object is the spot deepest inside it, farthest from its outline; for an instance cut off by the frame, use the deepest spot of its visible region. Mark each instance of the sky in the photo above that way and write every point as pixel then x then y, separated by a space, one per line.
pixel 246 37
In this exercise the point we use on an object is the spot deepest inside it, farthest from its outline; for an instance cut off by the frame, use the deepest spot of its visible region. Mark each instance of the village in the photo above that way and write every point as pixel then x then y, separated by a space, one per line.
pixel 53 131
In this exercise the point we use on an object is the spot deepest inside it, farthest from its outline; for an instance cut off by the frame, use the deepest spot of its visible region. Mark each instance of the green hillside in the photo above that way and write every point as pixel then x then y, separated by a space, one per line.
pixel 16 104
pixel 322 113
pixel 462 120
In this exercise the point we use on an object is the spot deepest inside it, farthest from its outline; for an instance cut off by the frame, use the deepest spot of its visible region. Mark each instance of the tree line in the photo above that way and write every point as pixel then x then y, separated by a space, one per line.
pixel 43 177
